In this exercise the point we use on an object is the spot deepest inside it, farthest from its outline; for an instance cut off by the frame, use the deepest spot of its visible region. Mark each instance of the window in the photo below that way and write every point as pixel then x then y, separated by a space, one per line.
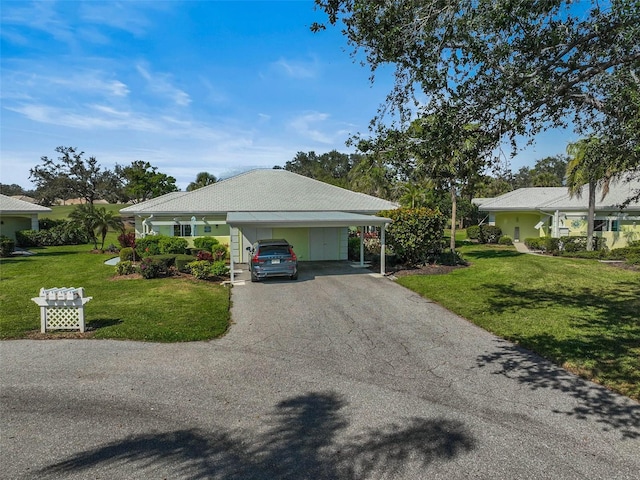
pixel 182 230
pixel 600 226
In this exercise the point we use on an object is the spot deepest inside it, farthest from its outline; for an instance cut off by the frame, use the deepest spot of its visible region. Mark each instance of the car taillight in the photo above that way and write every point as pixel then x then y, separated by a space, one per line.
pixel 255 258
pixel 293 255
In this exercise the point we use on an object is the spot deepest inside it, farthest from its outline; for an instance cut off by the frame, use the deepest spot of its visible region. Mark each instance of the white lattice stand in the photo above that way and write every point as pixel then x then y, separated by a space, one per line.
pixel 61 308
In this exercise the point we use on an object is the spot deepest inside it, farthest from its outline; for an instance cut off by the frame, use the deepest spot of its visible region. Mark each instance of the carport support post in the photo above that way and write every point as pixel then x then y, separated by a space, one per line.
pixel 362 246
pixel 383 229
pixel 231 270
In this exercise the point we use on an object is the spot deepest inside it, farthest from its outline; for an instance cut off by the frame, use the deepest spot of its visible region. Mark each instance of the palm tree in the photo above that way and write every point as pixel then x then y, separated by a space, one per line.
pixel 587 167
pixel 103 220
pixel 202 180
pixel 92 220
pixel 414 195
pixel 82 216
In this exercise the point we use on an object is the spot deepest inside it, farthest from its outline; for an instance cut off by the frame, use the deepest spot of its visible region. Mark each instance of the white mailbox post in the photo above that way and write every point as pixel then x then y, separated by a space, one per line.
pixel 61 308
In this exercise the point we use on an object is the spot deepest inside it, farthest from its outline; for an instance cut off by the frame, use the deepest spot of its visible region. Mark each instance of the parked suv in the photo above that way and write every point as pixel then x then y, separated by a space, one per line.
pixel 272 258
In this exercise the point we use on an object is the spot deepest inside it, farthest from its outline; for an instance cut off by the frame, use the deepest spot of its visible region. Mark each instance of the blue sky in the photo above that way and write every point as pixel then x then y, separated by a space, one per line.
pixel 216 86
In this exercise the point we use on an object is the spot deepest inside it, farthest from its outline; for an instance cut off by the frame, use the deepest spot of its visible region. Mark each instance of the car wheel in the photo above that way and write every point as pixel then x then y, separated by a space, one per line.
pixel 294 277
pixel 254 278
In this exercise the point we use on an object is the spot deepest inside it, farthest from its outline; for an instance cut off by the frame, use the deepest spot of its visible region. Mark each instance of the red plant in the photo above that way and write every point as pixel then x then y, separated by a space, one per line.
pixel 127 240
pixel 204 255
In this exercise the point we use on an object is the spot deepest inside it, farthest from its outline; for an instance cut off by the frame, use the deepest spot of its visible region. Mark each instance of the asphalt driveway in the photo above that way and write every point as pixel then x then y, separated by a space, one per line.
pixel 340 375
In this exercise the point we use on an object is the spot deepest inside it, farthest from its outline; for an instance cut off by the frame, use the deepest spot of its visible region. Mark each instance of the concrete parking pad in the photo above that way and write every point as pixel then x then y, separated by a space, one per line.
pixel 339 375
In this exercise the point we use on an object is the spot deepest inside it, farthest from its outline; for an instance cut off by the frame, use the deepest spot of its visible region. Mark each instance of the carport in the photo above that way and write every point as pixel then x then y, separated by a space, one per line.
pixel 240 222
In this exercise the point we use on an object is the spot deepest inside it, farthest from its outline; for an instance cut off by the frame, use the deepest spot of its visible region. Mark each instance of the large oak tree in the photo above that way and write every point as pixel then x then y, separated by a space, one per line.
pixel 516 67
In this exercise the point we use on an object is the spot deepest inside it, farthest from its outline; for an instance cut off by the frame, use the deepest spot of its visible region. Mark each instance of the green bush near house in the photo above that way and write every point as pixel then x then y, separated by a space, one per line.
pixel 149 245
pixel 126 254
pixel 173 245
pixel 505 240
pixel 7 246
pixel 415 234
pixel 125 267
pixel 205 243
pixel 219 252
pixel 484 233
pixel 182 262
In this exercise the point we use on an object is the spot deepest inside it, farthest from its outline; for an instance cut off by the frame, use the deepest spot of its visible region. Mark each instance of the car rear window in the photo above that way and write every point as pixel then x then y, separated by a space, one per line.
pixel 274 250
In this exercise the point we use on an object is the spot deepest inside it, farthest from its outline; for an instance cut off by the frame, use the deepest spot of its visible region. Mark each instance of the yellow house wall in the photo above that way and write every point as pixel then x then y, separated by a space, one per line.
pixel 298 237
pixel 525 220
pixel 10 225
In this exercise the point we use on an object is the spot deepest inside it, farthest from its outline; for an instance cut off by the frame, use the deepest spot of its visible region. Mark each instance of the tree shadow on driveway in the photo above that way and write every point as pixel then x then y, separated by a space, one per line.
pixel 611 410
pixel 301 442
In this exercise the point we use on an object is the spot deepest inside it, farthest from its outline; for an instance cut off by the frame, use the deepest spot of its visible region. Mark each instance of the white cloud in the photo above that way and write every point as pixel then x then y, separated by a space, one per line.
pixel 160 84
pixel 304 125
pixel 297 69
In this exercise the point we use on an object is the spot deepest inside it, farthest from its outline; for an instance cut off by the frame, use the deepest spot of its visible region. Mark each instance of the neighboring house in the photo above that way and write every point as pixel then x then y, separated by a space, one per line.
pixel 260 204
pixel 551 211
pixel 16 215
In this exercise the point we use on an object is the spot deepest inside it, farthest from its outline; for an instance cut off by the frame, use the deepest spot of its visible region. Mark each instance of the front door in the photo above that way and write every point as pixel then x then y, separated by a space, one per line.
pixel 516 234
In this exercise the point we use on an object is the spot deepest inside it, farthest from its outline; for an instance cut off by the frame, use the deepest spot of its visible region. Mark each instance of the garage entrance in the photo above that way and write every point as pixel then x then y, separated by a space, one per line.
pixel 315 236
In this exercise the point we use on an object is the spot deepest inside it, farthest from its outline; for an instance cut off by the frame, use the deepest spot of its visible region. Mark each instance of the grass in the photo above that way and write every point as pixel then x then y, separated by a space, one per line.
pixel 581 314
pixel 159 310
pixel 61 212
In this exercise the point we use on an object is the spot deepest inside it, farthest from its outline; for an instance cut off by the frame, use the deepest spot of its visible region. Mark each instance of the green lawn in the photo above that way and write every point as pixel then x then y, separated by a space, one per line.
pixel 61 212
pixel 162 310
pixel 582 314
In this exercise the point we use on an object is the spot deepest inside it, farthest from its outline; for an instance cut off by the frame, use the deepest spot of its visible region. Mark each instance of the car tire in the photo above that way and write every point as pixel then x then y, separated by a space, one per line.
pixel 254 278
pixel 294 277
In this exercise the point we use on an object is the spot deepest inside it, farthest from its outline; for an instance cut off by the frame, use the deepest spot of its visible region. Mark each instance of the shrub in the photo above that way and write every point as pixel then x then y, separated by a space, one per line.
pixel 205 243
pixel 64 233
pixel 473 232
pixel 49 223
pixel 535 243
pixel 552 245
pixel 219 252
pixel 173 245
pixel 484 233
pixel 149 268
pixel 205 255
pixel 127 240
pixel 490 233
pixel 182 262
pixel 7 246
pixel 372 245
pixel 125 267
pixel 624 252
pixel 634 243
pixel 633 259
pixel 127 254
pixel 353 248
pixel 415 233
pixel 219 268
pixel 201 269
pixel 148 245
pixel 505 240
pixel 166 261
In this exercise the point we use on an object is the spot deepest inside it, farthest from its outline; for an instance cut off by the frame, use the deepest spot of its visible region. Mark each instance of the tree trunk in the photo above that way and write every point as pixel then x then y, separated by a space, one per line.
pixel 452 243
pixel 591 215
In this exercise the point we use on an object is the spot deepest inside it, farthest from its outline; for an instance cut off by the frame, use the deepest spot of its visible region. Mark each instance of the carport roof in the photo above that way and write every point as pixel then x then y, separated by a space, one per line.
pixel 292 219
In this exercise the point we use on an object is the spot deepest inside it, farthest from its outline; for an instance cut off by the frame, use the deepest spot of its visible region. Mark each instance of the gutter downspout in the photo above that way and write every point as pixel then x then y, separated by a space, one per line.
pixel 362 246
pixel 382 249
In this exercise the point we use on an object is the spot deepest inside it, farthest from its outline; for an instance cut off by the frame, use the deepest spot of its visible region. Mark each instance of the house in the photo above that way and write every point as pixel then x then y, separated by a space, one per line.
pixel 16 215
pixel 551 211
pixel 260 204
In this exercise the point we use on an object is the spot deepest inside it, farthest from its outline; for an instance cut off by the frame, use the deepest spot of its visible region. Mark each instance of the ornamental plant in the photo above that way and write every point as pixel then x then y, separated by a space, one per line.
pixel 416 233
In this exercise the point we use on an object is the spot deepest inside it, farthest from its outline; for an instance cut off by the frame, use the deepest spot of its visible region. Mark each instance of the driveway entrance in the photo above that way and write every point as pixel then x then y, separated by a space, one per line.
pixel 342 374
